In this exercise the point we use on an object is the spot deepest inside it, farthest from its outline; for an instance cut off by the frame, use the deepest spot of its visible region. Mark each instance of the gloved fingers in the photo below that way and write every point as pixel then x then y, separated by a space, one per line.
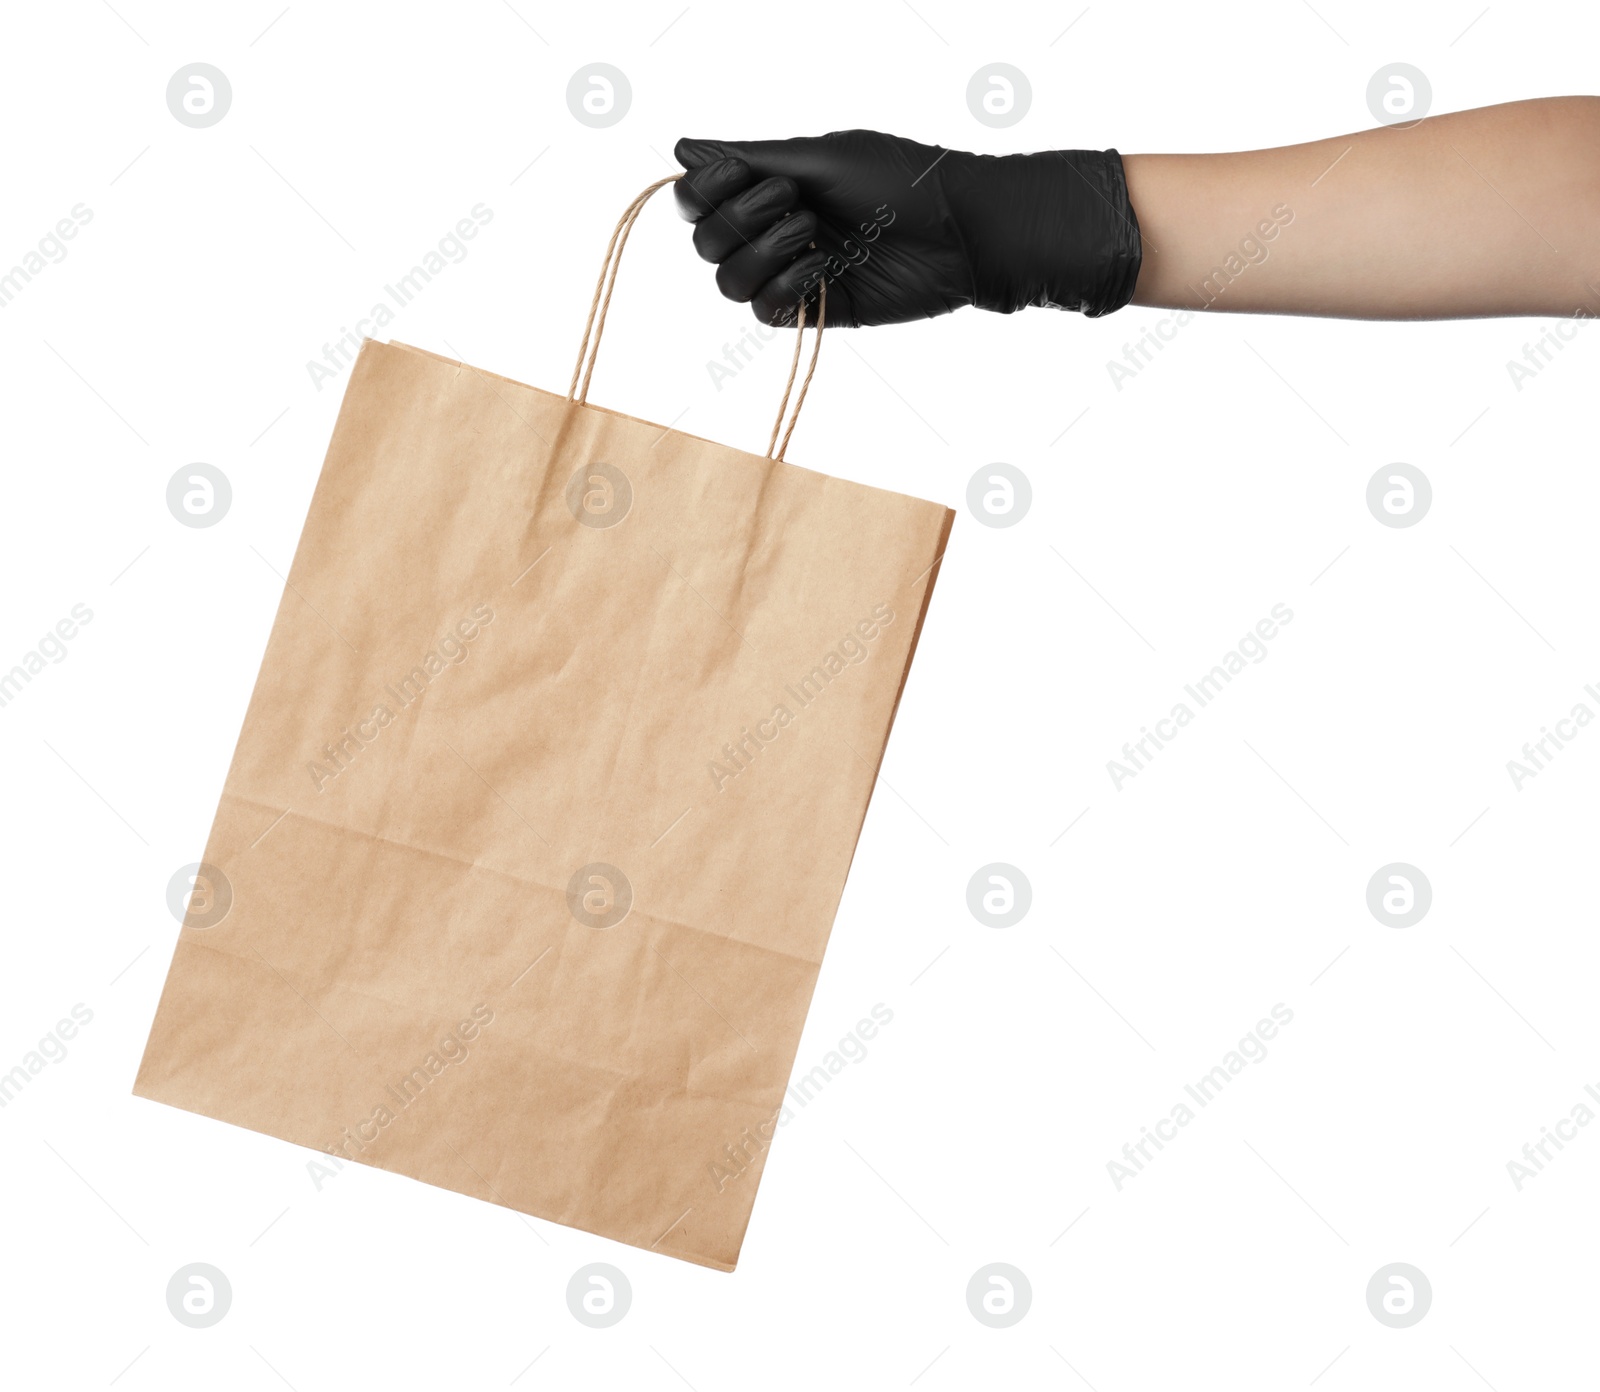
pixel 705 186
pixel 778 301
pixel 752 266
pixel 694 154
pixel 741 219
pixel 801 157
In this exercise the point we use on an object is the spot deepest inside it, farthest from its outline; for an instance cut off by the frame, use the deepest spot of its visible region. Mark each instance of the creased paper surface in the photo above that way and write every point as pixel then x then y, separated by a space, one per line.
pixel 538 664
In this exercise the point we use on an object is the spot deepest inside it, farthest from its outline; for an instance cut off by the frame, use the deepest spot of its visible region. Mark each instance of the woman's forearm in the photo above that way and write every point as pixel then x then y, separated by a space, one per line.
pixel 1487 212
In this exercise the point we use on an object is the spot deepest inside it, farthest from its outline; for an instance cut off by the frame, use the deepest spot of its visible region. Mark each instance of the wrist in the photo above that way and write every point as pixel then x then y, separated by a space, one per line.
pixel 1054 229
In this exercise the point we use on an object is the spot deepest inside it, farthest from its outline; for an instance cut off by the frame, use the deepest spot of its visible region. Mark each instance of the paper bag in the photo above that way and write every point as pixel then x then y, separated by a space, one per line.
pixel 544 802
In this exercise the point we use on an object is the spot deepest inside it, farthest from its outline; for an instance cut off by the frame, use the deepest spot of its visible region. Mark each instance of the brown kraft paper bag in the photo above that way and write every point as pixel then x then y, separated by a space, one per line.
pixel 544 800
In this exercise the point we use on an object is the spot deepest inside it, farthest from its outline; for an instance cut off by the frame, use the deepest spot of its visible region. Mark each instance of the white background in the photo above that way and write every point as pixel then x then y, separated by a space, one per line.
pixel 1170 517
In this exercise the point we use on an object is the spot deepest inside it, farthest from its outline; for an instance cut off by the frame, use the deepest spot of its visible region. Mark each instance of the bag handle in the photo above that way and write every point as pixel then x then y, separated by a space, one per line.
pixel 601 303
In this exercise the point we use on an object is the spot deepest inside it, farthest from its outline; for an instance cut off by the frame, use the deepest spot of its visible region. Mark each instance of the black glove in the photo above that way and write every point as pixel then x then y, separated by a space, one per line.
pixel 904 231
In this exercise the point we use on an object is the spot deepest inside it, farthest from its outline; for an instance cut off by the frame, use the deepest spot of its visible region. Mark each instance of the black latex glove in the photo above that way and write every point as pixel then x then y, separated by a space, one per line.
pixel 905 231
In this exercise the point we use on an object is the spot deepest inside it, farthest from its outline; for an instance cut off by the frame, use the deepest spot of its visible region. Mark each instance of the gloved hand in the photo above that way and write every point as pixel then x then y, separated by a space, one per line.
pixel 905 231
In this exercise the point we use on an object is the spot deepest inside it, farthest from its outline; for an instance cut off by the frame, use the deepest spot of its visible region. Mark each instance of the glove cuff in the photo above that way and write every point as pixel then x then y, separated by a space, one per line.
pixel 1109 257
pixel 1055 229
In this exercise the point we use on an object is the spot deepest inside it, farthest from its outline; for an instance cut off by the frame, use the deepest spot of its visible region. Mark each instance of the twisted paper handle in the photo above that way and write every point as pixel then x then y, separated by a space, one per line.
pixel 589 349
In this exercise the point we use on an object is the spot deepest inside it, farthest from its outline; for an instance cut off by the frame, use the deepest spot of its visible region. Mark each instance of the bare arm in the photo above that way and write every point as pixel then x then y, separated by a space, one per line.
pixel 1487 212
